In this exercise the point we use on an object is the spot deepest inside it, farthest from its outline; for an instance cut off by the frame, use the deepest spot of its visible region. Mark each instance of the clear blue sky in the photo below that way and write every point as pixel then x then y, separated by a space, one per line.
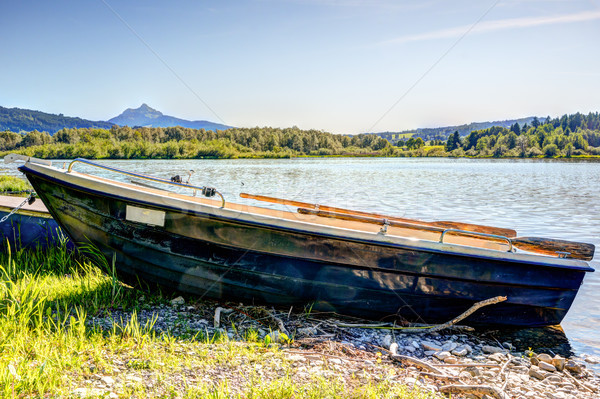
pixel 344 66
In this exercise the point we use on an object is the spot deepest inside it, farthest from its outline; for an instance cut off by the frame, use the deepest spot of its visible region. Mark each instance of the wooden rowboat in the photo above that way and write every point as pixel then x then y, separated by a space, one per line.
pixel 372 267
pixel 28 227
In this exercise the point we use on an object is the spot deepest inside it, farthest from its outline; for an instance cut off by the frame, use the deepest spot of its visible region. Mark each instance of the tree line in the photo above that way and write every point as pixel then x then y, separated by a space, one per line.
pixel 178 142
pixel 568 136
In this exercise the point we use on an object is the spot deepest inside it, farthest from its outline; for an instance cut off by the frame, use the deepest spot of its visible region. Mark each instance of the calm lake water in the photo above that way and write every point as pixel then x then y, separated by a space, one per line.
pixel 546 198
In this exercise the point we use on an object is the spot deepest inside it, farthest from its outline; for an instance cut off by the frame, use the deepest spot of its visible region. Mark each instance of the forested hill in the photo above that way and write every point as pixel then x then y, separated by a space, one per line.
pixel 26 120
pixel 442 133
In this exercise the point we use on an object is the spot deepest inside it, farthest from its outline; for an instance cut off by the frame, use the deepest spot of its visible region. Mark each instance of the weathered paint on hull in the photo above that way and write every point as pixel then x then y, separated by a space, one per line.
pixel 228 260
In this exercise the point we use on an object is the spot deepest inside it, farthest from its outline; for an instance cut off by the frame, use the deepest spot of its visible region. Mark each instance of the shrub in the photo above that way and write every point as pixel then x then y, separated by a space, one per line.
pixel 550 150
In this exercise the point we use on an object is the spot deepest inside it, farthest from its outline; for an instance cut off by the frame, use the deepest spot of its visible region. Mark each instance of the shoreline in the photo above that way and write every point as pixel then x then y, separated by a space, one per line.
pixel 321 345
pixel 308 156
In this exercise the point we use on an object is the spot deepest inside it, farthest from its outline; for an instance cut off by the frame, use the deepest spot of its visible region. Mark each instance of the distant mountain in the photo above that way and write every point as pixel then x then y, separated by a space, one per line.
pixel 149 117
pixel 26 120
pixel 442 133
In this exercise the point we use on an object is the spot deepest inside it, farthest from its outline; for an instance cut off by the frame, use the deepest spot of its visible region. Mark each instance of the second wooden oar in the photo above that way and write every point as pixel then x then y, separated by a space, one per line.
pixel 546 246
pixel 442 224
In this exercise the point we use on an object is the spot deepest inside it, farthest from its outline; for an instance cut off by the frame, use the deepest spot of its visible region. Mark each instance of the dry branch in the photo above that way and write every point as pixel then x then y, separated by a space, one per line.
pixel 217 318
pixel 474 389
pixel 440 376
pixel 464 315
pixel 417 362
pixel 485 365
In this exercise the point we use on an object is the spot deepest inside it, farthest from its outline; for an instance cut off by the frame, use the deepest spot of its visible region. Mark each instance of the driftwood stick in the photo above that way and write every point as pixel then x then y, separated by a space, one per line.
pixel 217 318
pixel 504 366
pixel 358 325
pixel 577 383
pixel 388 326
pixel 474 389
pixel 411 360
pixel 279 323
pixel 417 362
pixel 469 312
pixel 458 327
pixel 483 365
pixel 464 315
pixel 440 376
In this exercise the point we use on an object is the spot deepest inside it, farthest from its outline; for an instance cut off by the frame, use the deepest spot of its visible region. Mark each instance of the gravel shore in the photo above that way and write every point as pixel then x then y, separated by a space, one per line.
pixel 463 364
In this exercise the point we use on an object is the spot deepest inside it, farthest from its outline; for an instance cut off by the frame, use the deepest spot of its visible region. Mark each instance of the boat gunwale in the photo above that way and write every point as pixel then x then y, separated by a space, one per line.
pixel 56 175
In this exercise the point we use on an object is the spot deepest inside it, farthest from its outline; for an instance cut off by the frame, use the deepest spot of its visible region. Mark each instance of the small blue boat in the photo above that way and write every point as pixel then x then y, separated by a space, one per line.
pixel 29 227
pixel 372 267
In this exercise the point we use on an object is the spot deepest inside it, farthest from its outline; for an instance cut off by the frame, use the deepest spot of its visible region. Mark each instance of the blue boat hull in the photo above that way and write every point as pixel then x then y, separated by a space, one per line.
pixel 28 231
pixel 231 260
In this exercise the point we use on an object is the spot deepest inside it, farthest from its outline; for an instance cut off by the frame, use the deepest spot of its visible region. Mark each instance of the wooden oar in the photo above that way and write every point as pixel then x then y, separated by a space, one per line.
pixel 442 224
pixel 546 246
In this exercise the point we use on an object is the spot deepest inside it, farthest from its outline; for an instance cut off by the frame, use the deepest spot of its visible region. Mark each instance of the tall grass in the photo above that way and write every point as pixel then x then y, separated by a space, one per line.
pixel 45 296
pixel 48 348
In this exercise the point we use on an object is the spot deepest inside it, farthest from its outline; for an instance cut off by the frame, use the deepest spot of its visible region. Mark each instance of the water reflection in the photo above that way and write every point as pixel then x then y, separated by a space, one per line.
pixel 550 340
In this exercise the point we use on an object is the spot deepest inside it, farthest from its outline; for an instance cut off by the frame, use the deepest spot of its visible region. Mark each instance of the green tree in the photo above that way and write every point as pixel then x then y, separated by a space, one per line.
pixel 36 138
pixel 453 141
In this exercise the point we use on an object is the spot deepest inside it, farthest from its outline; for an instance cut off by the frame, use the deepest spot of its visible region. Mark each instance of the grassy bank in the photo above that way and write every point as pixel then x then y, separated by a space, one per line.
pixel 51 347
pixel 13 184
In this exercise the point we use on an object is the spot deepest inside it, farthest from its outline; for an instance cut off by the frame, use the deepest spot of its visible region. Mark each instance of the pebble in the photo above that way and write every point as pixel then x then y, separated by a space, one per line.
pixel 592 359
pixel 573 367
pixel 442 355
pixel 386 341
pixel 491 349
pixel 177 301
pixel 449 346
pixel 547 366
pixel 462 351
pixel 497 357
pixel 307 331
pixel 559 362
pixel 508 345
pixel 450 360
pixel 535 372
pixel 544 357
pixel 107 380
pixel 431 346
